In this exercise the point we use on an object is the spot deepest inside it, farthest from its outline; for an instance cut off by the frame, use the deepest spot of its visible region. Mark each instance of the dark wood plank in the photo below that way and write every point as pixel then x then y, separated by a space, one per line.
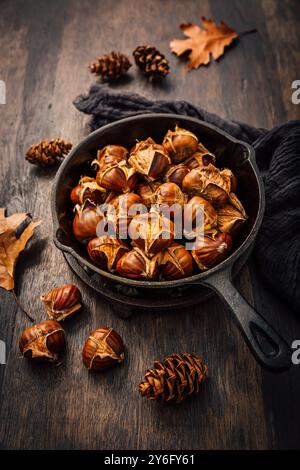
pixel 46 47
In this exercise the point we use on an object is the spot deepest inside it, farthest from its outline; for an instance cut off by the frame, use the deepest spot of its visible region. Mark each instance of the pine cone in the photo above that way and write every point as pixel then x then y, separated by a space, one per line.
pixel 151 62
pixel 46 153
pixel 172 380
pixel 111 66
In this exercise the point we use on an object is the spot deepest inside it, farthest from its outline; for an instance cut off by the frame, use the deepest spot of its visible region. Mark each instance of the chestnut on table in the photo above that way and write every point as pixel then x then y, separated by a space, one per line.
pixel 103 349
pixel 43 341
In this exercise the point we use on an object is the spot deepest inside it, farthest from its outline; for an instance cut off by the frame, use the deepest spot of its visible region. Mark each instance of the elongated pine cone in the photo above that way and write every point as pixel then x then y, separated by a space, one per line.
pixel 152 63
pixel 47 153
pixel 172 380
pixel 111 66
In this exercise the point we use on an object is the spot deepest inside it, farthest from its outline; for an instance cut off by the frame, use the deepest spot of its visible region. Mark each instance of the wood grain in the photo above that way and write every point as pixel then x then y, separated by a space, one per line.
pixel 46 47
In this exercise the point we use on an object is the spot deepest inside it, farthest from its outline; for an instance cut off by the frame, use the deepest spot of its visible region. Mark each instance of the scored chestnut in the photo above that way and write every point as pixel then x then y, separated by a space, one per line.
pixel 202 157
pixel 175 262
pixel 231 216
pixel 136 265
pixel 212 250
pixel 120 177
pixel 106 251
pixel 43 341
pixel 176 173
pixel 146 190
pixel 199 214
pixel 170 200
pixel 62 302
pixel 103 349
pixel 180 144
pixel 169 194
pixel 151 232
pixel 230 178
pixel 149 159
pixel 207 181
pixel 111 155
pixel 87 188
pixel 121 210
pixel 86 220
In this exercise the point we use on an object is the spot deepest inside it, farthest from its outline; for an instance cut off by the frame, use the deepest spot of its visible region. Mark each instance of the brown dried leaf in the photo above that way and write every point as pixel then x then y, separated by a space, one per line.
pixel 203 43
pixel 11 245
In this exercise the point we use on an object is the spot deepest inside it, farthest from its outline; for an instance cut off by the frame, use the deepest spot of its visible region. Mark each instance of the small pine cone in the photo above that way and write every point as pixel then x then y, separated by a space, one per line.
pixel 152 63
pixel 172 380
pixel 111 66
pixel 47 153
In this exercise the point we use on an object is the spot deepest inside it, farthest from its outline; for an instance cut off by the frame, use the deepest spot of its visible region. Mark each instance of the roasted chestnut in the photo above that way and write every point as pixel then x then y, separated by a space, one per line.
pixel 200 158
pixel 111 155
pixel 43 341
pixel 149 159
pixel 198 209
pixel 86 220
pixel 180 144
pixel 151 232
pixel 106 251
pixel 103 349
pixel 230 178
pixel 87 188
pixel 146 190
pixel 120 177
pixel 231 216
pixel 120 211
pixel 212 250
pixel 176 173
pixel 207 181
pixel 62 302
pixel 175 262
pixel 136 265
pixel 169 194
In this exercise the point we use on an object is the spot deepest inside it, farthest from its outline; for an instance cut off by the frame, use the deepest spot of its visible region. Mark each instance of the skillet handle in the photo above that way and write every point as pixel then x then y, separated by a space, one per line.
pixel 267 346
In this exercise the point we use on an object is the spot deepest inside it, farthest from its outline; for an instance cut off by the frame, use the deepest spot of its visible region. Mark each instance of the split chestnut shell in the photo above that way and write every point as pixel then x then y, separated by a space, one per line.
pixel 180 144
pixel 175 262
pixel 43 341
pixel 231 216
pixel 119 177
pixel 136 265
pixel 87 188
pixel 199 214
pixel 176 173
pixel 208 182
pixel 213 250
pixel 111 155
pixel 86 220
pixel 106 251
pixel 149 159
pixel 151 232
pixel 62 302
pixel 103 349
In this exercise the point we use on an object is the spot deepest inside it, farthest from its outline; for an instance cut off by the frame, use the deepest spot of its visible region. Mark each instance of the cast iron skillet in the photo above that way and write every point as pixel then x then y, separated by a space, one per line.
pixel 265 343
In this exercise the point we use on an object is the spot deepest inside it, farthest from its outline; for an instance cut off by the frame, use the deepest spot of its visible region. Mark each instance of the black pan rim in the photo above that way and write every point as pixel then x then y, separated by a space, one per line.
pixel 196 278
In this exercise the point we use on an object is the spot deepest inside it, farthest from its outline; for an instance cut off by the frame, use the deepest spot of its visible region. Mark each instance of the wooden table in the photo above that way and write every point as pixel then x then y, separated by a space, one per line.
pixel 45 49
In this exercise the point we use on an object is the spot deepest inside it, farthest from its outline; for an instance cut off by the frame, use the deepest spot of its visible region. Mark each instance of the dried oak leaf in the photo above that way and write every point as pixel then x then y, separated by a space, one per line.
pixel 15 231
pixel 203 43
